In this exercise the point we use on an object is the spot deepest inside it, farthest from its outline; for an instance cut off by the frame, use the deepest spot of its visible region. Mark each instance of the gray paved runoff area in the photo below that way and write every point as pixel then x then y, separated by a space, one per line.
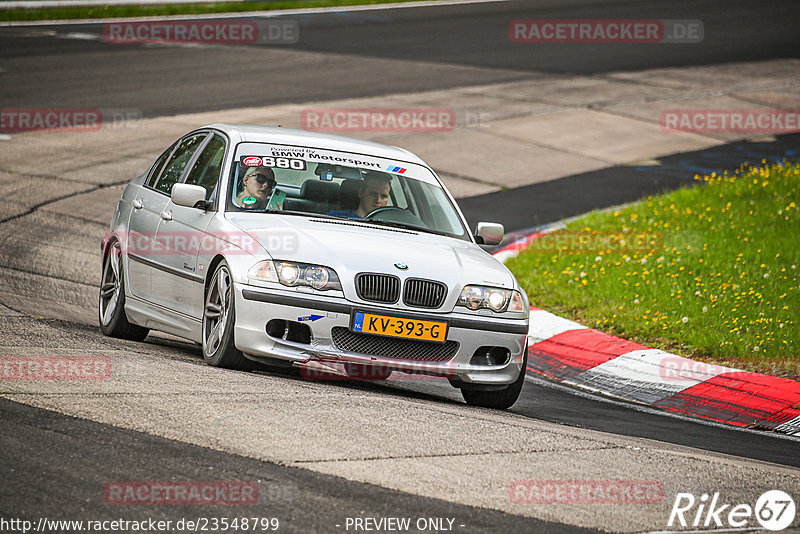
pixel 57 194
pixel 423 444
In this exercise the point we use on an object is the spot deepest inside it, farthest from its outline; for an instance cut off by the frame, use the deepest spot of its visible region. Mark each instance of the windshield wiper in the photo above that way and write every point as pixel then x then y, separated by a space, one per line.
pixel 287 212
pixel 378 222
pixel 404 226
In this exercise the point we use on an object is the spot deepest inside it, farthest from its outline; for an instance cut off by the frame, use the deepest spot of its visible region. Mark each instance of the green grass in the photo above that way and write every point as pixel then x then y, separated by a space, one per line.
pixel 63 13
pixel 710 272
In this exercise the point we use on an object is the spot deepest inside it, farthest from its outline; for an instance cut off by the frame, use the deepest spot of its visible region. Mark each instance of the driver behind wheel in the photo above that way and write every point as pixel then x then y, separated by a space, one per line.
pixel 372 194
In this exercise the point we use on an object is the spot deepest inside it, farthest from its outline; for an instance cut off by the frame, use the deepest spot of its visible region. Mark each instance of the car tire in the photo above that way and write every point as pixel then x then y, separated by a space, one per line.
pixel 111 299
pixel 498 399
pixel 219 318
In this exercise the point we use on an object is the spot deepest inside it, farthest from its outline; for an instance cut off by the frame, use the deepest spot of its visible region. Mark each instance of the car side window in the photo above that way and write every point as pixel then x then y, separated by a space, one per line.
pixel 177 163
pixel 206 170
pixel 159 166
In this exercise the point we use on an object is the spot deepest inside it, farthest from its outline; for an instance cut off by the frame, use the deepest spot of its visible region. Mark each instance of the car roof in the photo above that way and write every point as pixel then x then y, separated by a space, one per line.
pixel 289 136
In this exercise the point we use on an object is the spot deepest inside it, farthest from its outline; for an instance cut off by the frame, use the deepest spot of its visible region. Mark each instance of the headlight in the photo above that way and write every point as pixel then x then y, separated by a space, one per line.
pixel 294 274
pixel 492 298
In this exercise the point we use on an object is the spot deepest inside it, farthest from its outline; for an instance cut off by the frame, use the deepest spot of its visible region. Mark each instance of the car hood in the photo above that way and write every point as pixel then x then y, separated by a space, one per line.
pixel 351 247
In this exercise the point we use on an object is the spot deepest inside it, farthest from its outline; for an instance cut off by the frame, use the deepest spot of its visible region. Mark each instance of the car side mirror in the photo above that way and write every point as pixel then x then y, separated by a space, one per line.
pixel 488 233
pixel 191 196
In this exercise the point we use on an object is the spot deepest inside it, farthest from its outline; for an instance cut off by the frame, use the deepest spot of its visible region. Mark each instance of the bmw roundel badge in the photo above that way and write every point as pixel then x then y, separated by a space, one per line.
pixel 401 266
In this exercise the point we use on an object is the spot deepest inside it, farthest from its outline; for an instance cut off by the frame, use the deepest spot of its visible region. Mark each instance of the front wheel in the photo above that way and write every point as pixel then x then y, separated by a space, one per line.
pixel 219 318
pixel 111 301
pixel 499 399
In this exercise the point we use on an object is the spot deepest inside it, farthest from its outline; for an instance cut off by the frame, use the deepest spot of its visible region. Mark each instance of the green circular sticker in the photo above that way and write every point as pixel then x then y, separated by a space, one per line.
pixel 249 200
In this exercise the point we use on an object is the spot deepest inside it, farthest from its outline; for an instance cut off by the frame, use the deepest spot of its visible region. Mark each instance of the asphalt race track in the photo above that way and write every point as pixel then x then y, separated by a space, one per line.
pixel 408 50
pixel 303 500
pixel 337 451
pixel 543 203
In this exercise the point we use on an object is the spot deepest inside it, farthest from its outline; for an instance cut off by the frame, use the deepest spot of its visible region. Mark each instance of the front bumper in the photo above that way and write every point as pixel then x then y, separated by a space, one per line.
pixel 256 306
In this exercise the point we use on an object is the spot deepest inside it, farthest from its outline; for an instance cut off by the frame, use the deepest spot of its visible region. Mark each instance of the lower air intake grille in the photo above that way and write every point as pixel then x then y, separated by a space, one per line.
pixel 388 347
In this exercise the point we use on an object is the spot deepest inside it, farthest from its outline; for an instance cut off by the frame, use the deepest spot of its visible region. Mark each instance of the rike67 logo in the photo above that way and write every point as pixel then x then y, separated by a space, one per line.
pixel 774 510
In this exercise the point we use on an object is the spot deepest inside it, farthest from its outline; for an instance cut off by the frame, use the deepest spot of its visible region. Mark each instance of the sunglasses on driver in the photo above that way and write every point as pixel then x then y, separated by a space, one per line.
pixel 264 179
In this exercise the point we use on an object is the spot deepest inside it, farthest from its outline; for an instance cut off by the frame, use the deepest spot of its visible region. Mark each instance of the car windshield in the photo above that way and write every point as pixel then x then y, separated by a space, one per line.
pixel 266 184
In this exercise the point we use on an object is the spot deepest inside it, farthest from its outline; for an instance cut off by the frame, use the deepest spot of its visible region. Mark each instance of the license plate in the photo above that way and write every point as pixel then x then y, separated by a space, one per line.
pixel 386 325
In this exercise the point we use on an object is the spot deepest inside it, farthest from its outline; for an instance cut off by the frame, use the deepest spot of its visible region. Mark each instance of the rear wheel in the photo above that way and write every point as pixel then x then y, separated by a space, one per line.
pixel 219 318
pixel 111 301
pixel 499 399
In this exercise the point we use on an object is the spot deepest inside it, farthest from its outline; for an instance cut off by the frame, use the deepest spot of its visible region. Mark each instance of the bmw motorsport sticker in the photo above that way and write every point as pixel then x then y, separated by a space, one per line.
pixel 304 158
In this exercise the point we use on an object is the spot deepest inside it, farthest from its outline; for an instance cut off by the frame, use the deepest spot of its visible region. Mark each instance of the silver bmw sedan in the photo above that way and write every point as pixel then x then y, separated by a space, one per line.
pixel 342 257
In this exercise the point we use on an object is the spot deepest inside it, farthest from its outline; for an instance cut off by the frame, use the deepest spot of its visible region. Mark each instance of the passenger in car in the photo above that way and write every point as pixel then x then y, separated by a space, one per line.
pixel 372 194
pixel 258 185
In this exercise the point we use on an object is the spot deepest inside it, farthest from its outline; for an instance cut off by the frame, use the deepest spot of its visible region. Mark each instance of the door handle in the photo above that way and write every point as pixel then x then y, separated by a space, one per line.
pixel 137 204
pixel 166 215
